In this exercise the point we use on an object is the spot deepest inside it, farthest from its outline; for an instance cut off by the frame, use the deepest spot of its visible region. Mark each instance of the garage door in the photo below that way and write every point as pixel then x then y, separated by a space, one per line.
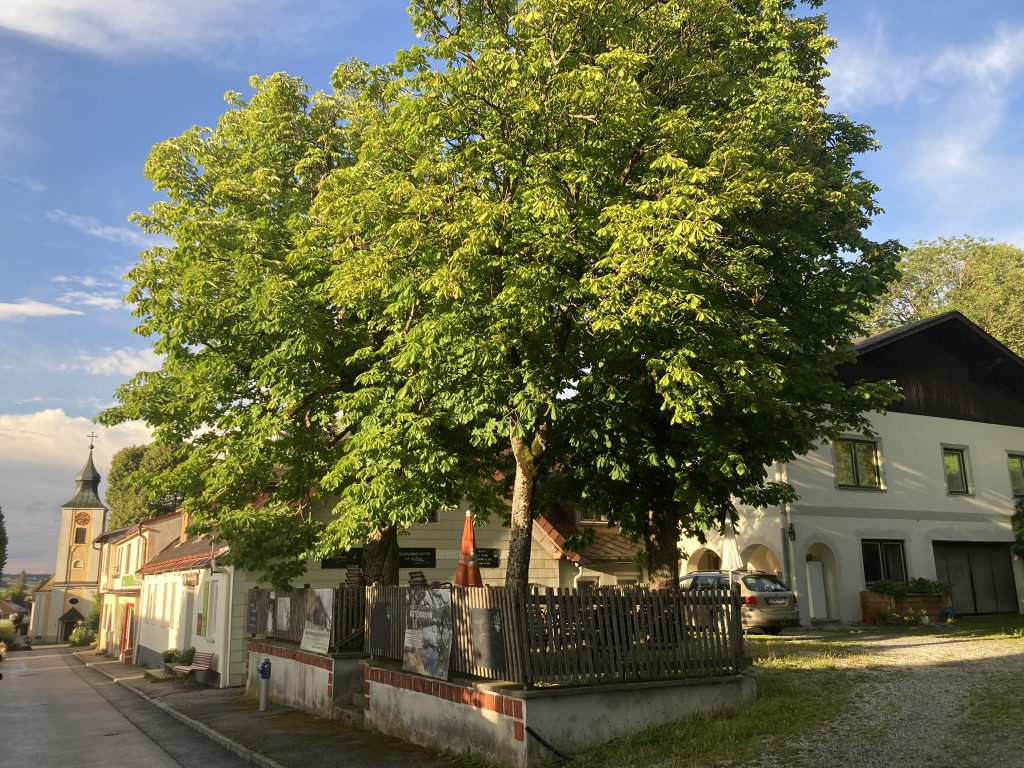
pixel 980 574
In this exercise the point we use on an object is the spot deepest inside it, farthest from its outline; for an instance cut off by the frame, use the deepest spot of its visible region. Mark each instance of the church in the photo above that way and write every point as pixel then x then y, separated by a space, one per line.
pixel 67 597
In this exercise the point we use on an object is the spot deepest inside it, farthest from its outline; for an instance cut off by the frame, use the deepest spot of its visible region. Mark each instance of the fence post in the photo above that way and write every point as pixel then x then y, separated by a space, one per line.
pixel 736 630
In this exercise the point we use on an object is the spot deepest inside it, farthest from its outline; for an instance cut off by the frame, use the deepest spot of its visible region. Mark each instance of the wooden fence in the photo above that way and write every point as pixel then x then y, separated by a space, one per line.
pixel 267 614
pixel 545 637
pixel 569 637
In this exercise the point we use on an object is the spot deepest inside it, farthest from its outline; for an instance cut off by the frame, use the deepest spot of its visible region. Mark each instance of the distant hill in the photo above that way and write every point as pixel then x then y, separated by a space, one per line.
pixel 32 580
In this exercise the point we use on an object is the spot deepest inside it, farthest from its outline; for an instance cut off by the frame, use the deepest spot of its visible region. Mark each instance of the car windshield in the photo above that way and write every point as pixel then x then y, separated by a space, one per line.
pixel 764 584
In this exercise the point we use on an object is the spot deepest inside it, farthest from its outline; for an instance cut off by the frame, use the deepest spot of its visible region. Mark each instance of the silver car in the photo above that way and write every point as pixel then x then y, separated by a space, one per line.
pixel 768 604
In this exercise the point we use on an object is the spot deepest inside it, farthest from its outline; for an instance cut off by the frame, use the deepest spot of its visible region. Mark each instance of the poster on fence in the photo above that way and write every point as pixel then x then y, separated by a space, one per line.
pixel 428 632
pixel 488 637
pixel 316 636
pixel 283 620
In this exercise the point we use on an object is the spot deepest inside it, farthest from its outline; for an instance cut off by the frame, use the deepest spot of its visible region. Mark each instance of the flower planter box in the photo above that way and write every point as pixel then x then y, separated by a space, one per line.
pixel 876 609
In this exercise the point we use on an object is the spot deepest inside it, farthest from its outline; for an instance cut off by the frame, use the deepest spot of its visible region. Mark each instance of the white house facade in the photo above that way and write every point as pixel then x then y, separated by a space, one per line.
pixel 929 494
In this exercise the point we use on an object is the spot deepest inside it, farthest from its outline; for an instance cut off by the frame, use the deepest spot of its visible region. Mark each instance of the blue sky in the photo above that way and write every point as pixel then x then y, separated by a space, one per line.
pixel 87 87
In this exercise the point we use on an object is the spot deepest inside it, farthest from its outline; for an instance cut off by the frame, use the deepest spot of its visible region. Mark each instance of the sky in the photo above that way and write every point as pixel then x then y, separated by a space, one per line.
pixel 87 87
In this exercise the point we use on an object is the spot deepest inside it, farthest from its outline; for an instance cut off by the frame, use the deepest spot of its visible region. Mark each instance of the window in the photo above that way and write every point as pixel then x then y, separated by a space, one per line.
pixel 954 463
pixel 79 535
pixel 883 559
pixel 1016 461
pixel 856 464
pixel 592 516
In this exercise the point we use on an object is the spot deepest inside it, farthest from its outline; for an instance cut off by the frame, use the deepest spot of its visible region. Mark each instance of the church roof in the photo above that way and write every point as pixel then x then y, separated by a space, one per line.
pixel 87 496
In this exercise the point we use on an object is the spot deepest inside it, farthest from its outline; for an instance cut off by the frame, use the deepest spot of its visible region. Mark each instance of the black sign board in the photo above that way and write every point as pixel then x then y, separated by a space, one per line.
pixel 254 614
pixel 380 626
pixel 488 558
pixel 488 636
pixel 344 559
pixel 422 557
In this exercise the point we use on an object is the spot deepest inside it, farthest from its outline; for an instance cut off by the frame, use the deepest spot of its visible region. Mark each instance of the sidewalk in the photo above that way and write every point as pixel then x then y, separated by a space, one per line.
pixel 281 737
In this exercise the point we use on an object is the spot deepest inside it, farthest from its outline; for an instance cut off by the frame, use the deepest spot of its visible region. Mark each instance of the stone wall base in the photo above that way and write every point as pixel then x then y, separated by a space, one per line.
pixel 500 722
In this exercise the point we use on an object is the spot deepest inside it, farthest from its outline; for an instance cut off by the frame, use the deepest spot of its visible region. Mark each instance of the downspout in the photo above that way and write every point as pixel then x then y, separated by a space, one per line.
pixel 786 516
pixel 579 573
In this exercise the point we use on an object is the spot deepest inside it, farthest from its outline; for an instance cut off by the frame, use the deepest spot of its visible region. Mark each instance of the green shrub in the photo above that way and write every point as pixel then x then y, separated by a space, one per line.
pixel 186 656
pixel 913 587
pixel 170 656
pixel 7 631
pixel 82 636
pixel 927 587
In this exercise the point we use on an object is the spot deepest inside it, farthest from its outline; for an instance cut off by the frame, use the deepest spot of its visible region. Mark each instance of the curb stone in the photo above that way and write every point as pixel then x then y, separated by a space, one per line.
pixel 229 744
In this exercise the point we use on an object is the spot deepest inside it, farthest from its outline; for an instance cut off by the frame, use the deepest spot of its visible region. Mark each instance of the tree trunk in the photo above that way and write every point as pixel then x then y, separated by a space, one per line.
pixel 517 568
pixel 662 543
pixel 380 556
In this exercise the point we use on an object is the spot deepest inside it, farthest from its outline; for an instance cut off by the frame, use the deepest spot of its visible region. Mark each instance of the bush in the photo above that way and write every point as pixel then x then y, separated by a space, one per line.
pixel 186 656
pixel 170 656
pixel 7 631
pixel 82 636
pixel 913 587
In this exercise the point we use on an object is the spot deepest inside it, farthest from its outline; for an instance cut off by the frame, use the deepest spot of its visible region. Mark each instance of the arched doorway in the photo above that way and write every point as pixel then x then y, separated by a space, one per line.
pixel 704 559
pixel 758 557
pixel 822 595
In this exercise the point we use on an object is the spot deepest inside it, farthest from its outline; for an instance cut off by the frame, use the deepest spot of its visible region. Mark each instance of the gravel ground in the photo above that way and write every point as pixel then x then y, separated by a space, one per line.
pixel 928 701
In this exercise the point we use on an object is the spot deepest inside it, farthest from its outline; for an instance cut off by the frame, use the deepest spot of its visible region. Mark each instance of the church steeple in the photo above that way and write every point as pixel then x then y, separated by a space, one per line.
pixel 88 480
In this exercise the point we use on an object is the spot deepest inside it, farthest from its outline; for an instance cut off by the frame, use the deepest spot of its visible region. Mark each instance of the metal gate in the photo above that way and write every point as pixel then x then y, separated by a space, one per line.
pixel 980 574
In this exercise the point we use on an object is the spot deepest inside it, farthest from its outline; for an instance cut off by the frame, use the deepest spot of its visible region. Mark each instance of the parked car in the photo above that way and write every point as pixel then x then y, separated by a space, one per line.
pixel 768 604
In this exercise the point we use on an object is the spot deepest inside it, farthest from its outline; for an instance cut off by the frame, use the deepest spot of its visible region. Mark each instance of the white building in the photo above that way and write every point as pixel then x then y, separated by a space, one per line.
pixel 929 495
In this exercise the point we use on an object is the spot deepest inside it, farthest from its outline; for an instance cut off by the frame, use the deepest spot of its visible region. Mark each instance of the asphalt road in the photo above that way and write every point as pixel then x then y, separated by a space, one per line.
pixel 55 713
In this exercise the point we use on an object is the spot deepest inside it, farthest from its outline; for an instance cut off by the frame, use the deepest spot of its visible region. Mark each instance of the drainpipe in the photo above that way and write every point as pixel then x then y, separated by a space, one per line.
pixel 576 578
pixel 786 515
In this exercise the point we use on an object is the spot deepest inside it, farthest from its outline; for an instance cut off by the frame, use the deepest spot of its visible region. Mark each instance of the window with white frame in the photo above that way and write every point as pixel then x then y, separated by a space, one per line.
pixel 955 467
pixel 1016 462
pixel 856 464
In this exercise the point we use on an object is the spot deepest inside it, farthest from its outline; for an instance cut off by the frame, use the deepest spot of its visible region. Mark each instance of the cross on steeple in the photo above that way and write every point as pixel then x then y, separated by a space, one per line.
pixel 91 437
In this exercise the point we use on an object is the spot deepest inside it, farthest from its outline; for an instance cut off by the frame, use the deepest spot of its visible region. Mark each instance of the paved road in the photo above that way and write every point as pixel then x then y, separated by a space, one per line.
pixel 54 713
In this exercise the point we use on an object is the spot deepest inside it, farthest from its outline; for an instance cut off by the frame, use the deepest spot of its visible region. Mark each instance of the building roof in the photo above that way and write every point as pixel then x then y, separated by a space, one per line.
pixel 6 606
pixel 607 545
pixel 194 552
pixel 945 366
pixel 87 496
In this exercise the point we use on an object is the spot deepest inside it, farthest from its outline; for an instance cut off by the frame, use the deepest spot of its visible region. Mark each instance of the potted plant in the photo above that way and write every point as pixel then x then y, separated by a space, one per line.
pixel 919 601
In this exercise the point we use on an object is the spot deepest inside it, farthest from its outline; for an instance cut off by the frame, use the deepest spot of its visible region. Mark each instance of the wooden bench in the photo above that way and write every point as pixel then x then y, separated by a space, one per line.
pixel 200 663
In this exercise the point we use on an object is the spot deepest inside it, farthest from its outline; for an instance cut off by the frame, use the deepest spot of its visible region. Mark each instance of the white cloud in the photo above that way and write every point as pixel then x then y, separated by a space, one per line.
pixel 84 280
pixel 40 453
pixel 105 301
pixel 954 101
pixel 95 228
pixel 190 27
pixel 25 182
pixel 30 308
pixel 867 72
pixel 117 362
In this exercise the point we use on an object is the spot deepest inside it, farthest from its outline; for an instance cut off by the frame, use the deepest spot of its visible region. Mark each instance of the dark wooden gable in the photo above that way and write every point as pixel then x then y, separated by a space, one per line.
pixel 947 367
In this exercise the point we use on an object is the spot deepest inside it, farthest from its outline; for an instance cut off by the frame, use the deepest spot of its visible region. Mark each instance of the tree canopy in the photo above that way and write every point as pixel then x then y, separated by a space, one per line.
pixel 981 278
pixel 134 491
pixel 612 248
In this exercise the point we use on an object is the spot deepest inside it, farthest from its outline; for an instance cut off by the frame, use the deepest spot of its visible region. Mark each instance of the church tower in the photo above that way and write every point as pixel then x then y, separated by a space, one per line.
pixel 68 595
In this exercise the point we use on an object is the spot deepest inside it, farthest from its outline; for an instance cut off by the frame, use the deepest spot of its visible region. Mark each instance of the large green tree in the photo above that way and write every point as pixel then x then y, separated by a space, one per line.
pixel 259 372
pixel 979 277
pixel 135 489
pixel 622 237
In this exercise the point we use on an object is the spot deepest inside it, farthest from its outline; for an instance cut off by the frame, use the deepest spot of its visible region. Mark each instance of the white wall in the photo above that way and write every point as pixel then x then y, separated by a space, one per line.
pixel 913 504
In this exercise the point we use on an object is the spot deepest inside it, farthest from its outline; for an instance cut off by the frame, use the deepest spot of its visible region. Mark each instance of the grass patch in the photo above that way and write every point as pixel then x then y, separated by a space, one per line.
pixel 794 694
